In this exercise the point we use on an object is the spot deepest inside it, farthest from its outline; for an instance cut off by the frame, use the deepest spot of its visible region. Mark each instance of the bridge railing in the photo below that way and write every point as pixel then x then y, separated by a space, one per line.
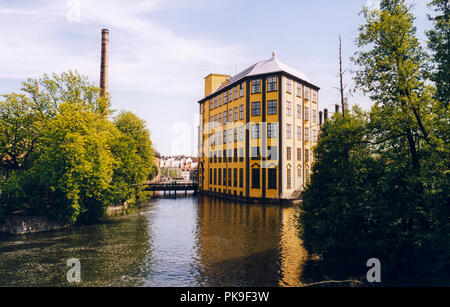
pixel 174 186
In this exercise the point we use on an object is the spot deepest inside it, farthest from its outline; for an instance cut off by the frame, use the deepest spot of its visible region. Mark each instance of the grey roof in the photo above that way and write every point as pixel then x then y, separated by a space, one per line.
pixel 272 65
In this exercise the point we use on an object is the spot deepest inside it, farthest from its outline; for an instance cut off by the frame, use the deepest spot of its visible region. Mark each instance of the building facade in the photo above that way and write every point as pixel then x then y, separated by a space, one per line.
pixel 257 131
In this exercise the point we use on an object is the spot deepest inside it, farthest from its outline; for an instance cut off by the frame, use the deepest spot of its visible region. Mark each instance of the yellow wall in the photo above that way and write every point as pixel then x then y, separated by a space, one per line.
pixel 212 82
pixel 219 147
pixel 207 131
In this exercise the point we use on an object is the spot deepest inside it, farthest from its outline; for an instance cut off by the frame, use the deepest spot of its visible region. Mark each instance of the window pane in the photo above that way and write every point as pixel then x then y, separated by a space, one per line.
pixel 299 90
pixel 299 133
pixel 288 131
pixel 271 107
pixel 272 178
pixel 256 108
pixel 272 130
pixel 255 131
pixel 255 178
pixel 272 153
pixel 241 177
pixel 272 84
pixel 288 175
pixel 256 86
pixel 256 153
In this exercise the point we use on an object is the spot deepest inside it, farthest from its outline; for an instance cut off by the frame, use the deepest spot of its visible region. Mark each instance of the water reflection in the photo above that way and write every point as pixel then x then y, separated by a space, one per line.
pixel 112 253
pixel 170 242
pixel 293 255
pixel 247 244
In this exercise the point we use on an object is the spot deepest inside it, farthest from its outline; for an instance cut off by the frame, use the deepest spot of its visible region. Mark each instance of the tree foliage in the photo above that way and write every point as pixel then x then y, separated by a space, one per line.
pixel 439 44
pixel 335 203
pixel 75 166
pixel 380 182
pixel 19 132
pixel 392 74
pixel 49 92
pixel 60 155
pixel 133 148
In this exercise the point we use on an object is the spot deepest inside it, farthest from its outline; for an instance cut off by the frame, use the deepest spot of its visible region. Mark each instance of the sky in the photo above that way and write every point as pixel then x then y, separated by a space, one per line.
pixel 161 50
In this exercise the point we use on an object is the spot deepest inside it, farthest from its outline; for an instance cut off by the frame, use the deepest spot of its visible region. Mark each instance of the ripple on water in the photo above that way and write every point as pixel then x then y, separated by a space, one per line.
pixel 184 242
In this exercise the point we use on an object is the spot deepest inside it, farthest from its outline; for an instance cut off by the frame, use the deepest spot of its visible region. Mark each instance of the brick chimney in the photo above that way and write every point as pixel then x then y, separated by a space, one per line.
pixel 104 64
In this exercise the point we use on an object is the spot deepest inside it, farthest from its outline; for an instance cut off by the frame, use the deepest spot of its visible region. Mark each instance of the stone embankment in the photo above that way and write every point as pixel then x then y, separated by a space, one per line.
pixel 116 210
pixel 19 225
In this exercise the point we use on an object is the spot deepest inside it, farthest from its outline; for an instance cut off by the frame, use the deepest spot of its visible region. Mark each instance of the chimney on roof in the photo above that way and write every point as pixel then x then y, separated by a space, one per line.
pixel 325 114
pixel 213 81
pixel 104 63
pixel 320 118
pixel 346 104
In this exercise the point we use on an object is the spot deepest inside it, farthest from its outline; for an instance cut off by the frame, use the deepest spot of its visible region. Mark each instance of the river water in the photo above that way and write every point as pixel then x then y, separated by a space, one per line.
pixel 188 241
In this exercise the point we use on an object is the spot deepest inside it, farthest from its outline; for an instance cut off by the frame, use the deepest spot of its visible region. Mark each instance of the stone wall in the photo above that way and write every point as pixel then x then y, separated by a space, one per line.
pixel 116 210
pixel 18 225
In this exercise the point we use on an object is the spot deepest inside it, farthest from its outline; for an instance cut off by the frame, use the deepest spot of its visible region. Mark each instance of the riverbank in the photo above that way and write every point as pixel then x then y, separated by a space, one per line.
pixel 23 224
pixel 117 210
pixel 19 225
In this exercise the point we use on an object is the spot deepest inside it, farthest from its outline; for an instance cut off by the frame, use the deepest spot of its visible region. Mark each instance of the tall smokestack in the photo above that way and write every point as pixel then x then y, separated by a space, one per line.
pixel 325 114
pixel 320 118
pixel 346 104
pixel 104 63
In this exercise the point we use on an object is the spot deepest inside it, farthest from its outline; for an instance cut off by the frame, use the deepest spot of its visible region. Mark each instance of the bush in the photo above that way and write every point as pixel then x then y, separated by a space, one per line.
pixel 69 161
pixel 363 204
pixel 75 166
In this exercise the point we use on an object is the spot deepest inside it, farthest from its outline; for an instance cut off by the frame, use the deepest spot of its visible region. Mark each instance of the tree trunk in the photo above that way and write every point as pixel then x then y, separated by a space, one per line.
pixel 341 76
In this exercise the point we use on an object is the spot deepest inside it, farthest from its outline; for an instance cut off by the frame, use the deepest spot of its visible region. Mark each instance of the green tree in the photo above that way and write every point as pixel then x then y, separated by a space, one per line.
pixel 406 120
pixel 380 181
pixel 174 173
pixel 133 149
pixel 335 203
pixel 72 174
pixel 63 157
pixel 49 92
pixel 439 44
pixel 19 132
pixel 392 65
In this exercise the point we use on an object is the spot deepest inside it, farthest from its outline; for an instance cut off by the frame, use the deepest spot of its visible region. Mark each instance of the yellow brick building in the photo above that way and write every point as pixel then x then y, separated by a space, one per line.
pixel 257 130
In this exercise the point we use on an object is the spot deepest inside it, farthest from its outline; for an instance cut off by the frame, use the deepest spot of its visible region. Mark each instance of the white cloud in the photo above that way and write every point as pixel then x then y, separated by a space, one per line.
pixel 144 56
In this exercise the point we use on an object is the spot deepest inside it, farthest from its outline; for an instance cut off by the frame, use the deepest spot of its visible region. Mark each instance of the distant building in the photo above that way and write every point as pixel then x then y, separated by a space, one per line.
pixel 257 130
pixel 183 164
pixel 186 174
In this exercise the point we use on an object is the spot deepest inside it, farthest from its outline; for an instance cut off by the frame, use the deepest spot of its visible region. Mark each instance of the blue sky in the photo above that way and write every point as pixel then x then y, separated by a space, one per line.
pixel 161 50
